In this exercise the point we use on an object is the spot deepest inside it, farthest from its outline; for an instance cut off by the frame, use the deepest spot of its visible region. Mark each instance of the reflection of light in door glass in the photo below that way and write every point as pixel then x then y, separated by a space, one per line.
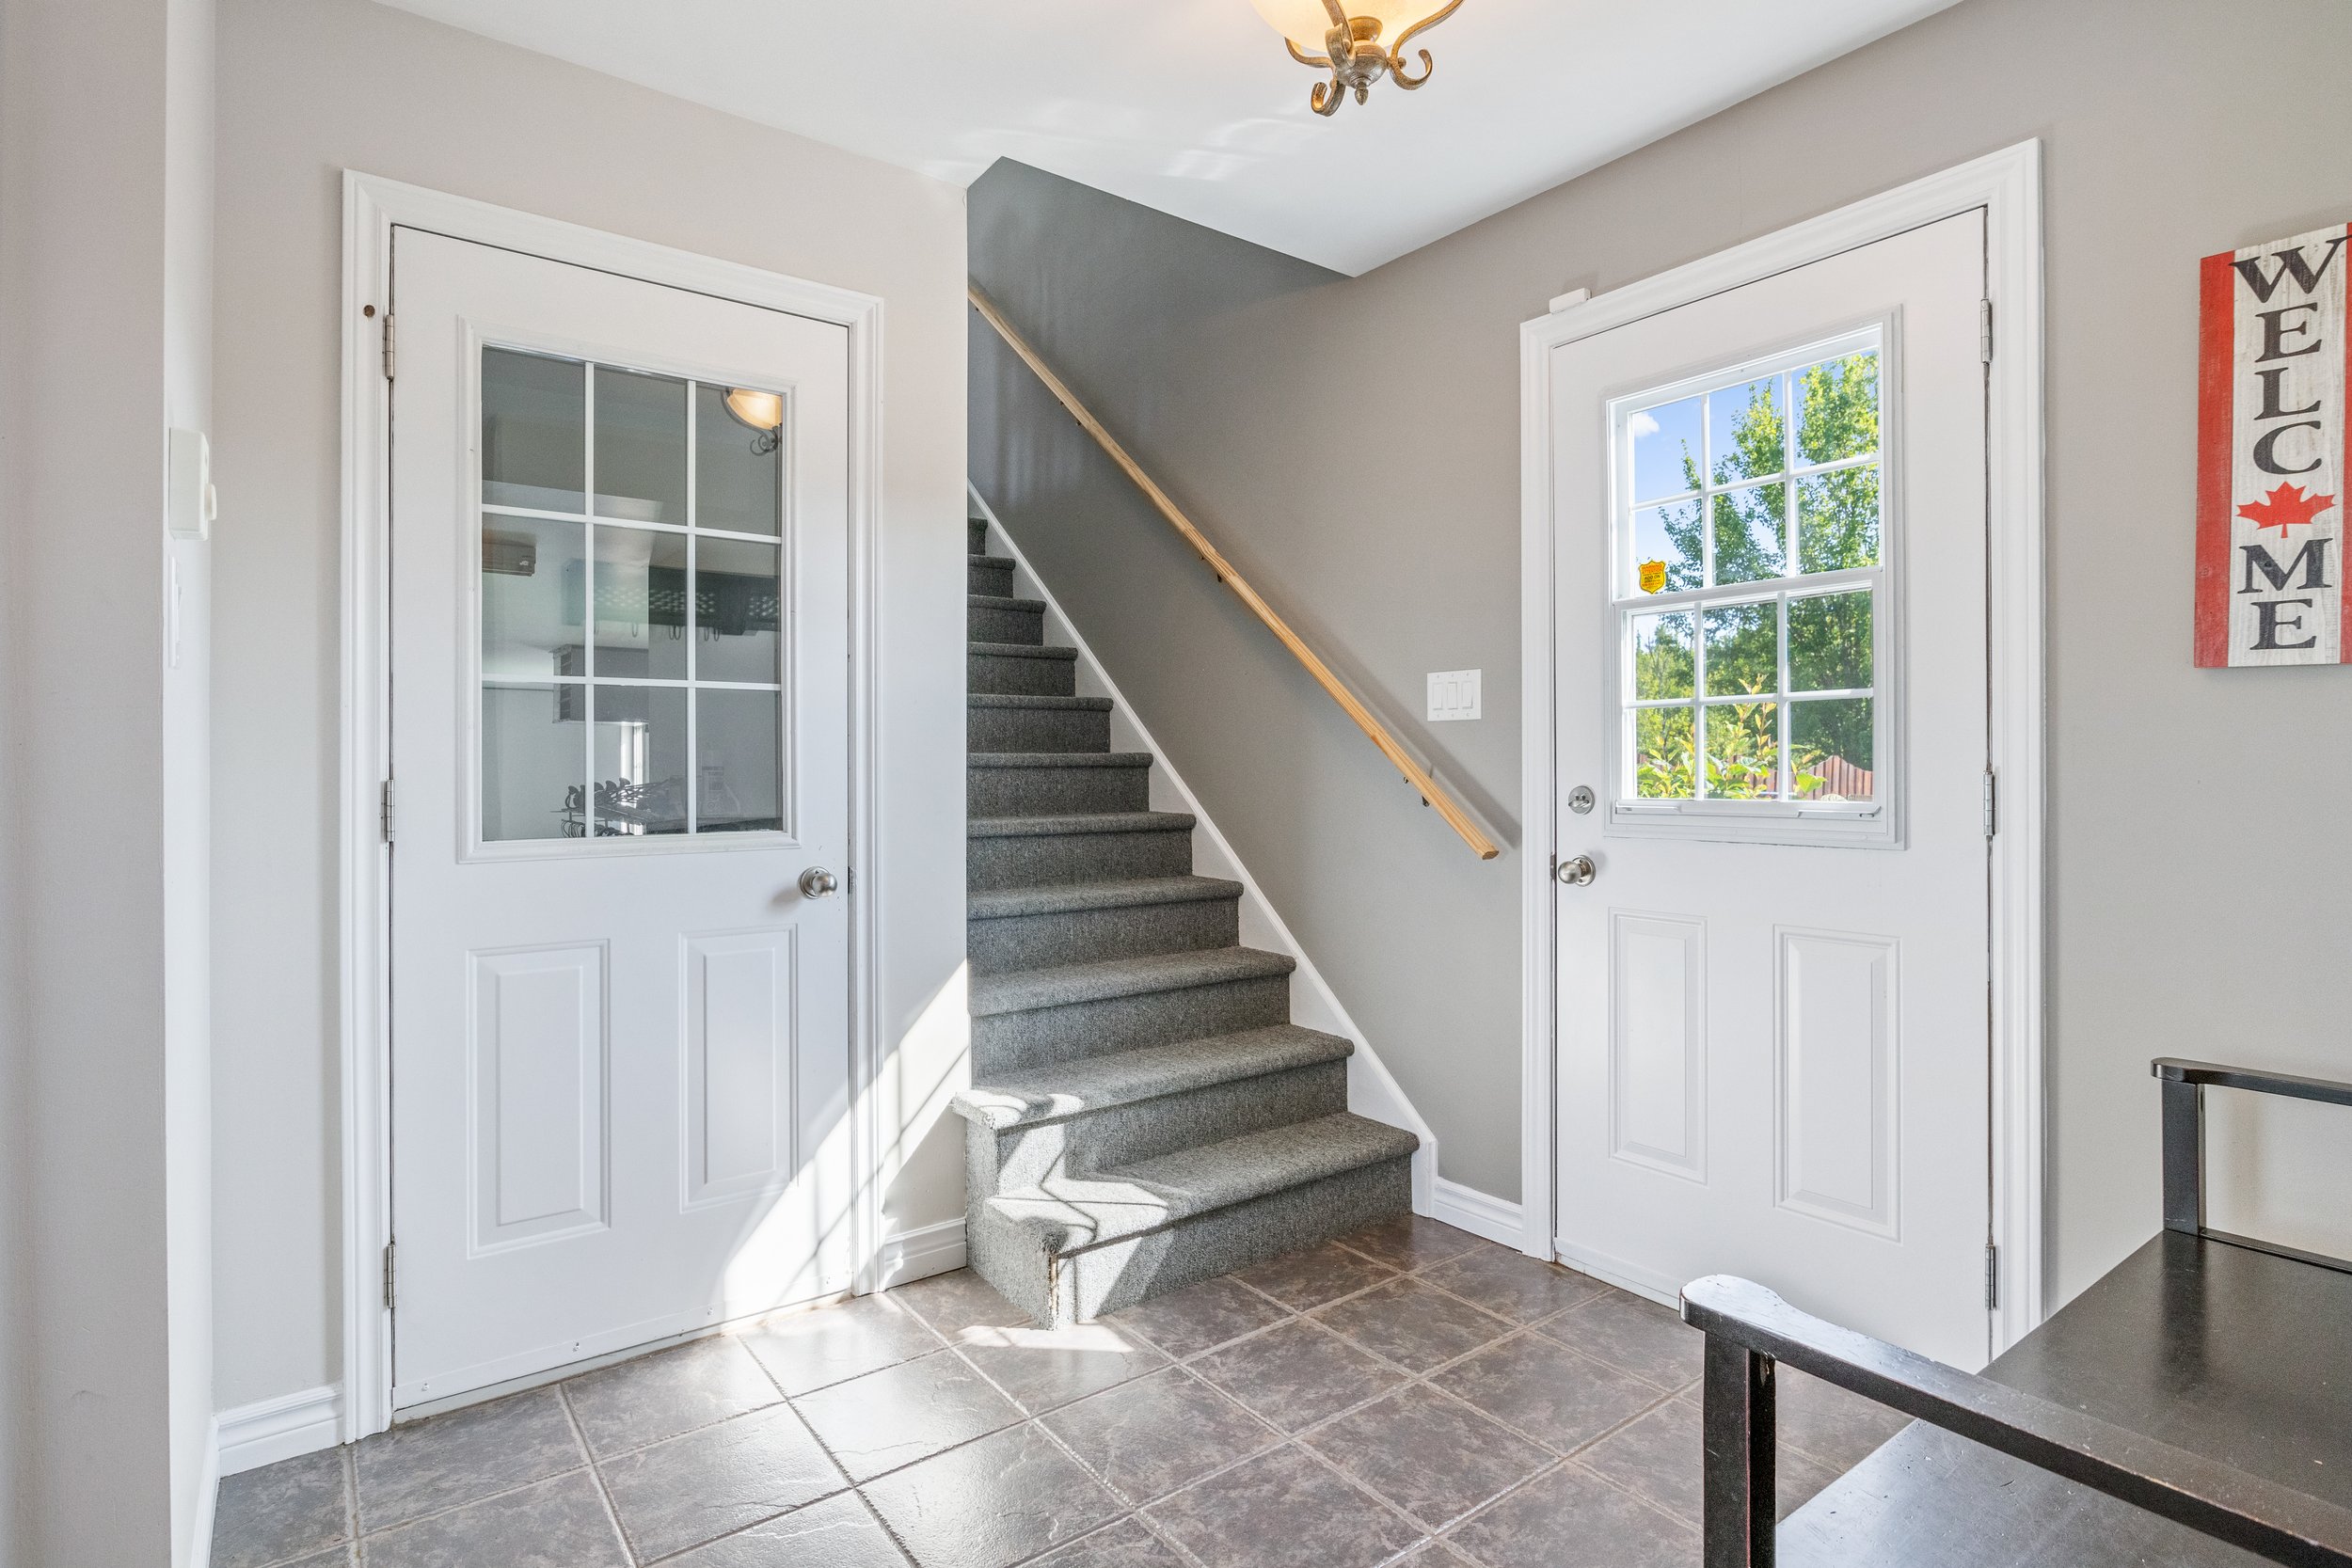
pixel 535 422
pixel 532 587
pixel 739 471
pixel 740 609
pixel 740 760
pixel 639 762
pixel 641 446
pixel 530 761
pixel 640 603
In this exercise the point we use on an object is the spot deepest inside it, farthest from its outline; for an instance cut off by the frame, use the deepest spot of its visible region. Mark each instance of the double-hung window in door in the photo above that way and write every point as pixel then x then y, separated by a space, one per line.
pixel 1749 579
pixel 632 603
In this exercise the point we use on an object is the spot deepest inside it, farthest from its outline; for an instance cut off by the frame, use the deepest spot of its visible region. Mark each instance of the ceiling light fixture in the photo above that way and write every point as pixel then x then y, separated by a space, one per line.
pixel 761 412
pixel 1352 50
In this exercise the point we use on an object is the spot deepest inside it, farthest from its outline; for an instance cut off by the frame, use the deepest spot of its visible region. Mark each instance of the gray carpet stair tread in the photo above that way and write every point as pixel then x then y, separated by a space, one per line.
pixel 1057 759
pixel 1083 822
pixel 1023 699
pixel 1062 897
pixel 1126 1077
pixel 1070 1212
pixel 999 601
pixel 1018 650
pixel 1065 984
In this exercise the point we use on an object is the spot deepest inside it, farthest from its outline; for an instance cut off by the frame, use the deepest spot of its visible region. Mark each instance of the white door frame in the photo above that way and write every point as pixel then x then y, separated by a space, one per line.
pixel 372 207
pixel 2007 185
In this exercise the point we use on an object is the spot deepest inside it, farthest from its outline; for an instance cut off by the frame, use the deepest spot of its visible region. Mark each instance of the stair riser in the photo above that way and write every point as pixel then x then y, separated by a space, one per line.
pixel 1084 1285
pixel 1057 791
pixel 1005 622
pixel 1027 1156
pixel 975 531
pixel 1010 676
pixel 1078 936
pixel 1031 729
pixel 1013 1042
pixel 990 576
pixel 1050 860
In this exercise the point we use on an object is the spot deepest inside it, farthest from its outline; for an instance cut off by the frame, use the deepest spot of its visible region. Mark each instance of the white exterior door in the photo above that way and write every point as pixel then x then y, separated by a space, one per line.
pixel 620 717
pixel 1772 1025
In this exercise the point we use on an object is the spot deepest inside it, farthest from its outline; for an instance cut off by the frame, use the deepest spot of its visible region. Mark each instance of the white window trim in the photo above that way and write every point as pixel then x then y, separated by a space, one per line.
pixel 372 207
pixel 2007 186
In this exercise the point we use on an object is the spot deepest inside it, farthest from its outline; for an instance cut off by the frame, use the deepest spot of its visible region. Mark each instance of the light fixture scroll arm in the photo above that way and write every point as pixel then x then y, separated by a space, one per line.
pixel 1321 62
pixel 1339 12
pixel 1396 49
pixel 1329 96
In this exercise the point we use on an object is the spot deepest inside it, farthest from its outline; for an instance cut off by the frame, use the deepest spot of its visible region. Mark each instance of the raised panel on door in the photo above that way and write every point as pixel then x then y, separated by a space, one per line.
pixel 740 1088
pixel 538 1103
pixel 1658 1042
pixel 1833 1085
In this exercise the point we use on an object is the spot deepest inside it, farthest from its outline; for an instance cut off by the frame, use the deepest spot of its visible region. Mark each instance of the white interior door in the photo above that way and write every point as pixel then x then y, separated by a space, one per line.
pixel 1772 1024
pixel 620 716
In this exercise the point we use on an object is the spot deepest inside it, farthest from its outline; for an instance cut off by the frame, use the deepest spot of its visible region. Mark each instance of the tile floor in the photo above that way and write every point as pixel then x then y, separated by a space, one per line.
pixel 1408 1395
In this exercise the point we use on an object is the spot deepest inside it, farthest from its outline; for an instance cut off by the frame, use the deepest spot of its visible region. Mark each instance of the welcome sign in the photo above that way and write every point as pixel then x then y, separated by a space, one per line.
pixel 2274 359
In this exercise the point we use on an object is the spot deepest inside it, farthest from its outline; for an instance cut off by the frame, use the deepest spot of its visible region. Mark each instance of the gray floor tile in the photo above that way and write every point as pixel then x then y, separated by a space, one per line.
pixel 1436 1554
pixel 1547 1391
pixel 839 1532
pixel 1297 1374
pixel 1409 1242
pixel 1124 1544
pixel 1799 1478
pixel 1519 1288
pixel 991 1503
pixel 830 1344
pixel 652 1397
pixel 427 1465
pixel 1044 1368
pixel 1432 1456
pixel 1413 1326
pixel 550 1524
pixel 1151 1436
pixel 1838 1428
pixel 1282 1510
pixel 1661 1457
pixel 688 1490
pixel 952 1303
pixel 292 1509
pixel 1633 1335
pixel 334 1556
pixel 1571 1518
pixel 904 1413
pixel 1200 1316
pixel 1302 1280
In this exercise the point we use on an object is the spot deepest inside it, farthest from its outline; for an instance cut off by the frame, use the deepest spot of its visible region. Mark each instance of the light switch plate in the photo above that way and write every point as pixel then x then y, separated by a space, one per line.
pixel 1453 694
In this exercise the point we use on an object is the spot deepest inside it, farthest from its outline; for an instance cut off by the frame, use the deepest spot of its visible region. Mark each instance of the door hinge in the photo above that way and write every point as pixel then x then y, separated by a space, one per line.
pixel 387 1276
pixel 1984 328
pixel 1992 801
pixel 1991 1277
pixel 388 811
pixel 387 345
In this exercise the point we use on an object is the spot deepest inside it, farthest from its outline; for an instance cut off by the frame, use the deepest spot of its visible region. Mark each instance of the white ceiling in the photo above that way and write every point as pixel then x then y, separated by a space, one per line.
pixel 1193 107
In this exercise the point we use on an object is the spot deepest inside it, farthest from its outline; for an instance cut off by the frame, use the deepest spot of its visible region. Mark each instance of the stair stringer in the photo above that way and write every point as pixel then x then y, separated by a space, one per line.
pixel 1372 1091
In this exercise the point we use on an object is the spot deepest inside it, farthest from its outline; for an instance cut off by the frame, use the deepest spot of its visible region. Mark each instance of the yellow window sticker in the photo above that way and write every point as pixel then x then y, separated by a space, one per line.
pixel 1653 576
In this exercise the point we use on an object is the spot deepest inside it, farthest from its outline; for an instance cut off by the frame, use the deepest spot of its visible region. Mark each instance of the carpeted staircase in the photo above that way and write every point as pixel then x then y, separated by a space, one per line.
pixel 1142 1113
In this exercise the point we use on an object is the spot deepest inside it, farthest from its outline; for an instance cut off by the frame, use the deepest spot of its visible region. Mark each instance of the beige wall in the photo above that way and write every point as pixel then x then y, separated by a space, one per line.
pixel 309 87
pixel 1354 445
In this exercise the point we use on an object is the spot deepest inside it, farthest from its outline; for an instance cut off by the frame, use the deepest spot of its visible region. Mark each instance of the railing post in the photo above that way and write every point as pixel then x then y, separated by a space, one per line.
pixel 1740 1430
pixel 2183 1156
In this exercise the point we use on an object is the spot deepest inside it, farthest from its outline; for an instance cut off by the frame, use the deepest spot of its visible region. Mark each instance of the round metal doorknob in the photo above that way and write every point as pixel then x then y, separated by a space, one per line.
pixel 817 883
pixel 1578 871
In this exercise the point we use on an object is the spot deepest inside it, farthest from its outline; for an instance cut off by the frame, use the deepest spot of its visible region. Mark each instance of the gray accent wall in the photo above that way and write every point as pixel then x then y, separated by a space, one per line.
pixel 1353 446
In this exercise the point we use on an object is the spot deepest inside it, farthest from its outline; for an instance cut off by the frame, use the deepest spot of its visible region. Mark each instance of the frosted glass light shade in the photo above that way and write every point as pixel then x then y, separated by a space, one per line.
pixel 1306 22
pixel 756 409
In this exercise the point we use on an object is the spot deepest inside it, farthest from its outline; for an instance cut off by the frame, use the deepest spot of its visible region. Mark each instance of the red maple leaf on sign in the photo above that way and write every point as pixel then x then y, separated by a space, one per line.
pixel 2284 508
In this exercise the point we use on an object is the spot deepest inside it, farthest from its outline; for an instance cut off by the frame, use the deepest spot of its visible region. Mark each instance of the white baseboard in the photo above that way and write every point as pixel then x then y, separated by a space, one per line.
pixel 253 1436
pixel 1624 1275
pixel 1467 1209
pixel 919 1254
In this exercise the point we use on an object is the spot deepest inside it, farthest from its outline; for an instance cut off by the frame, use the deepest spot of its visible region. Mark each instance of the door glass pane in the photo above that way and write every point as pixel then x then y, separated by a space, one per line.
pixel 1663 656
pixel 640 760
pixel 1743 650
pixel 1837 408
pixel 532 588
pixel 1668 552
pixel 534 431
pixel 1746 437
pixel 740 760
pixel 640 603
pixel 1830 744
pixel 738 460
pixel 1829 643
pixel 532 762
pixel 1837 519
pixel 1742 750
pixel 1663 753
pixel 1751 531
pixel 739 605
pixel 641 446
pixel 1666 457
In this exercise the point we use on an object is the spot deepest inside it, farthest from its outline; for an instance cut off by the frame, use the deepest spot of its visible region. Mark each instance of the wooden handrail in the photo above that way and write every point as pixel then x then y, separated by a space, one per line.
pixel 1415 774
